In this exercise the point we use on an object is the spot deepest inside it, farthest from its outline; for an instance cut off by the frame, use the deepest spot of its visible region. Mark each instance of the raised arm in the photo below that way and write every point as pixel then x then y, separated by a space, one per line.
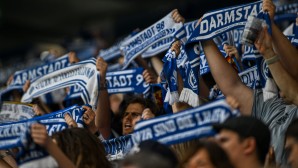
pixel 103 112
pixel 227 78
pixel 287 84
pixel 40 136
pixel 282 46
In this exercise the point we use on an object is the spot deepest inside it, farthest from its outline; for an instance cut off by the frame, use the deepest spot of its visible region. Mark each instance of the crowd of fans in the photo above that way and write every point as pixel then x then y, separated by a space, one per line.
pixel 265 135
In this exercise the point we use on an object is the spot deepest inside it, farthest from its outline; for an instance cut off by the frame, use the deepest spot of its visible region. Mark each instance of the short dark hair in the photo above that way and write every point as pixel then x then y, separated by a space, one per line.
pixel 218 157
pixel 246 126
pixel 146 103
pixel 292 130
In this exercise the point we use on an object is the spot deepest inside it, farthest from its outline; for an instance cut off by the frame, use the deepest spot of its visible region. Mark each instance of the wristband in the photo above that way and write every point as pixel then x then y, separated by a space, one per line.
pixel 272 60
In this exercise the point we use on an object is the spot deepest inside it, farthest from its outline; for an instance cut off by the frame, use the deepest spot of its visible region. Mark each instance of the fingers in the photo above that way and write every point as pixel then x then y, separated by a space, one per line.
pixel 177 17
pixel 269 7
pixel 176 47
pixel 26 86
pixel 149 77
pixel 231 50
pixel 88 116
pixel 101 66
pixel 70 121
pixel 147 114
pixel 232 102
pixel 72 57
pixel 199 21
pixel 39 134
pixel 37 110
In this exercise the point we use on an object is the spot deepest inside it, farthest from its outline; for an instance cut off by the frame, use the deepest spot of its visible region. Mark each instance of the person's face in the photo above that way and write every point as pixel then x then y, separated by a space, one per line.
pixel 232 145
pixel 200 160
pixel 132 114
pixel 292 150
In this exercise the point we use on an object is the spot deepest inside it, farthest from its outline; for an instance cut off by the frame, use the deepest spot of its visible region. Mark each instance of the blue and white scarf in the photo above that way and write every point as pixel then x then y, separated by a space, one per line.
pixel 166 43
pixel 237 34
pixel 164 28
pixel 116 148
pixel 114 51
pixel 217 22
pixel 114 67
pixel 82 73
pixel 127 81
pixel 249 77
pixel 15 111
pixel 20 77
pixel 286 12
pixel 181 127
pixel 188 63
pixel 17 134
pixel 169 76
pixel 294 37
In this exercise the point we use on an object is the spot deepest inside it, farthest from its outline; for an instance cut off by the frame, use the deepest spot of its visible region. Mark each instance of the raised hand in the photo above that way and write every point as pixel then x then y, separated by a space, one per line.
pixel 101 66
pixel 70 121
pixel 89 119
pixel 26 86
pixel 177 17
pixel 269 7
pixel 149 77
pixel 264 44
pixel 176 47
pixel 72 57
pixel 147 114
pixel 39 135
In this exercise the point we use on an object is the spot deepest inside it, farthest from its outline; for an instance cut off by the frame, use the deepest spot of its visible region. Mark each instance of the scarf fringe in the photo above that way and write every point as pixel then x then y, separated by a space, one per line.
pixel 189 97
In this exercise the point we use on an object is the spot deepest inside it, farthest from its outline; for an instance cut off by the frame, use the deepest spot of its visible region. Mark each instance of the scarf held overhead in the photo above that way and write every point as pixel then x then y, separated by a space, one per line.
pixel 184 126
pixel 82 73
pixel 164 28
pixel 15 111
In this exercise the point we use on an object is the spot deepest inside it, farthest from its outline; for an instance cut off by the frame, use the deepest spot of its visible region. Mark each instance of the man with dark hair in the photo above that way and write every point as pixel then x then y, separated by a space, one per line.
pixel 245 139
pixel 135 108
pixel 291 144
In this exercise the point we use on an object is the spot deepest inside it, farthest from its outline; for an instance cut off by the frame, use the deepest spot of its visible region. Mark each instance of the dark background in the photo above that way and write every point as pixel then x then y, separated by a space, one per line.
pixel 27 26
pixel 25 23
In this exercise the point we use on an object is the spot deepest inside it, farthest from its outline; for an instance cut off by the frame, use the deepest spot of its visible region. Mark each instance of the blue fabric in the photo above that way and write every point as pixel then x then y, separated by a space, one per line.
pixel 184 126
pixel 116 148
pixel 83 73
pixel 164 28
pixel 286 12
pixel 169 73
pixel 17 134
pixel 127 81
pixel 232 18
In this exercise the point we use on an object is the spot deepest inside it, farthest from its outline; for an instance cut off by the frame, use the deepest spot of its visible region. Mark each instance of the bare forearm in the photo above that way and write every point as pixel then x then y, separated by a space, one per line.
pixel 226 77
pixel 103 114
pixel 62 160
pixel 285 82
pixel 287 52
pixel 222 72
pixel 157 64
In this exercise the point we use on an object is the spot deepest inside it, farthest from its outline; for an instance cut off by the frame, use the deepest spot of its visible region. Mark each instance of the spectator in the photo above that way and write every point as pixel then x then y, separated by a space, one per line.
pixel 291 144
pixel 206 155
pixel 245 139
